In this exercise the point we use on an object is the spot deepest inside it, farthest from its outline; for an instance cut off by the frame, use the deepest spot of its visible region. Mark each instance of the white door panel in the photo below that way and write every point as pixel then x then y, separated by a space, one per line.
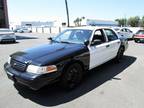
pixel 98 55
pixel 113 48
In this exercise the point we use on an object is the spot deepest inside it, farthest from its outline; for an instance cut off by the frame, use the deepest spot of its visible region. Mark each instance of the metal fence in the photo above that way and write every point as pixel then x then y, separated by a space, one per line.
pixel 49 30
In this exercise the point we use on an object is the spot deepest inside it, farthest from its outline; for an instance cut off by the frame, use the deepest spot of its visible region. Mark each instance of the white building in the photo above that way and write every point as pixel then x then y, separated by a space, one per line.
pixel 37 24
pixel 95 22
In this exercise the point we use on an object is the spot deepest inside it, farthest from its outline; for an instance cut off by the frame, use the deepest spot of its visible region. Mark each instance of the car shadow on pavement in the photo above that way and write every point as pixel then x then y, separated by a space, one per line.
pixel 53 95
pixel 25 37
pixel 8 43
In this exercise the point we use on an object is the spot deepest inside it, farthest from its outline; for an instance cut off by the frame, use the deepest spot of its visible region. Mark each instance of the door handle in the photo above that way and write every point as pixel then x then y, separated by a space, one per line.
pixel 107 46
pixel 118 42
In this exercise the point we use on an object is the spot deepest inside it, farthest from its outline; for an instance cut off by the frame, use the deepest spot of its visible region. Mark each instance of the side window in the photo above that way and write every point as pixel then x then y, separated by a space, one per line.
pixel 98 37
pixel 129 31
pixel 111 35
pixel 126 30
pixel 123 30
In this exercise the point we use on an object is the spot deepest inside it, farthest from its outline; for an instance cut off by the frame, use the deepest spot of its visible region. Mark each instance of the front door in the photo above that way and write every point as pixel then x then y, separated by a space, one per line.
pixel 98 49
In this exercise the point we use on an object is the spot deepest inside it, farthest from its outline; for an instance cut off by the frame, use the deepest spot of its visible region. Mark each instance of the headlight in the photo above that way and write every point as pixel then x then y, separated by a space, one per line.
pixel 41 70
pixel 9 59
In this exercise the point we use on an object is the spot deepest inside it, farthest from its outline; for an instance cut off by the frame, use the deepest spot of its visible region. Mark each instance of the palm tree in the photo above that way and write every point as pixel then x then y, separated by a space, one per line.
pixel 68 24
pixel 78 21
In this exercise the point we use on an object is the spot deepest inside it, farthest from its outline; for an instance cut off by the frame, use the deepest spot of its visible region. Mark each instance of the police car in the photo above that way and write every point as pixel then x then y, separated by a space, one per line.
pixel 66 57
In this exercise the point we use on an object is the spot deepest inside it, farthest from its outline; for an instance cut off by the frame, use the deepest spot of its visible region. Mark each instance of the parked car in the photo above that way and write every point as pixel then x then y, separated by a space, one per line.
pixel 7 35
pixel 66 58
pixel 24 30
pixel 139 36
pixel 16 30
pixel 124 32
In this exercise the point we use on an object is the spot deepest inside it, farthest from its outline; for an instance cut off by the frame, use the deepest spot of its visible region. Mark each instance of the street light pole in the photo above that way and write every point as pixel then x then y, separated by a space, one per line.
pixel 68 24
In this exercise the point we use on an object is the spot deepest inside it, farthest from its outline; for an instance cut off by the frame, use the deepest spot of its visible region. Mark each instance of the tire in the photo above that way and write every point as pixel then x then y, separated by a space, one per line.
pixel 14 41
pixel 72 76
pixel 120 55
pixel 136 41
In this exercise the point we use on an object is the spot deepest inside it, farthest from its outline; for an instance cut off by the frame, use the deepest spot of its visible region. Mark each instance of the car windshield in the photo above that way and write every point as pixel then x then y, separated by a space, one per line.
pixel 5 30
pixel 74 36
pixel 140 32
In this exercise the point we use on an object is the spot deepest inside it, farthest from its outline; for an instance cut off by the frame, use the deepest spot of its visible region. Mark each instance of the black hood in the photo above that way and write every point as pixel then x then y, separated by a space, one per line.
pixel 48 53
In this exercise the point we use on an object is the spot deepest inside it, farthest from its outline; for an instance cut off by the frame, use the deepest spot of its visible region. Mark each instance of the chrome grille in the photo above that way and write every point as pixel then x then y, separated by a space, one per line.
pixel 18 65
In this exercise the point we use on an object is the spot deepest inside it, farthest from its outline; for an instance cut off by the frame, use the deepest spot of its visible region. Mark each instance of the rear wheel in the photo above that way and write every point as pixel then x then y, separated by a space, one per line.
pixel 72 76
pixel 14 41
pixel 120 55
pixel 136 40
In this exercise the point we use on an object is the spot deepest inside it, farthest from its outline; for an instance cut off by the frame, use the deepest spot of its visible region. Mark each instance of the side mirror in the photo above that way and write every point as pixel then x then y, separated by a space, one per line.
pixel 49 38
pixel 86 43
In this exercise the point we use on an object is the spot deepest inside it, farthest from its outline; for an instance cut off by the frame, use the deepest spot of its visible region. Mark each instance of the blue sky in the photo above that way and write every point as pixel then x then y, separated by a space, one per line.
pixel 43 10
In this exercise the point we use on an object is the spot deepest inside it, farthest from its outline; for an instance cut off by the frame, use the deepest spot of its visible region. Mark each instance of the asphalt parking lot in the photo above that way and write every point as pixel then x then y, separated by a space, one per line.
pixel 108 86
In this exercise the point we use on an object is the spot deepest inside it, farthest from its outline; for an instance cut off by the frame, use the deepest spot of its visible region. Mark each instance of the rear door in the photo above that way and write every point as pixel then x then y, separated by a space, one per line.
pixel 114 43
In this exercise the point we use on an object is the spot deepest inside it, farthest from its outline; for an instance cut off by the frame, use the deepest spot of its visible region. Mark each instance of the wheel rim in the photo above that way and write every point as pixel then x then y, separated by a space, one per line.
pixel 72 77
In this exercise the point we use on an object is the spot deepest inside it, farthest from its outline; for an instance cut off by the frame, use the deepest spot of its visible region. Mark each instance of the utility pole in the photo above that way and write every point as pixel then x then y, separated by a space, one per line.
pixel 4 23
pixel 68 23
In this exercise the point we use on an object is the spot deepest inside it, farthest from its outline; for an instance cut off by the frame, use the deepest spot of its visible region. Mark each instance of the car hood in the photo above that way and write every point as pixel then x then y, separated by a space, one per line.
pixel 48 53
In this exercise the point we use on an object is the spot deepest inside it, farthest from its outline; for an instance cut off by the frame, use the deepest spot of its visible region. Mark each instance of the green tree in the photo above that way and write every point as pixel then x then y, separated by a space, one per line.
pixel 134 21
pixel 78 21
pixel 142 22
pixel 121 22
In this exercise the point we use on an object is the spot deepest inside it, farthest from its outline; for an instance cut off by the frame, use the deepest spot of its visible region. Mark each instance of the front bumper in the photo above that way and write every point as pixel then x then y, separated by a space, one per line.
pixel 30 80
pixel 139 39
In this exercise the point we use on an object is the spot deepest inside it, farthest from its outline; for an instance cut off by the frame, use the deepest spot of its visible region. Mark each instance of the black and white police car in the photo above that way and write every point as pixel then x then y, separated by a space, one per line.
pixel 66 57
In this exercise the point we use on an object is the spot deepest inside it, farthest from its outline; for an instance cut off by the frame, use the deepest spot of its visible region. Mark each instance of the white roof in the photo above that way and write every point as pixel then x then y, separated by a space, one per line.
pixel 4 29
pixel 90 27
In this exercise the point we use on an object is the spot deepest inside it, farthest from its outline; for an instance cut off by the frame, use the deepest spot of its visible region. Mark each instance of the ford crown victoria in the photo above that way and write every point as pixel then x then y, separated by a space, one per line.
pixel 66 58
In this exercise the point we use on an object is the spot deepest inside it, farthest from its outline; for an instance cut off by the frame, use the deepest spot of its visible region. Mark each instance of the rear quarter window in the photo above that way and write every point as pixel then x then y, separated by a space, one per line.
pixel 111 35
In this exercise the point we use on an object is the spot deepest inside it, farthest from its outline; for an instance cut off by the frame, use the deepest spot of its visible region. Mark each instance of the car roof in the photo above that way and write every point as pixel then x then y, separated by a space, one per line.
pixel 4 29
pixel 90 28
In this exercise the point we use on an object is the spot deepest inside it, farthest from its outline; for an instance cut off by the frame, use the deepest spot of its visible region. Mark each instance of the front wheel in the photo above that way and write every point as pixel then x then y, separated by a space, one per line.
pixel 136 40
pixel 120 55
pixel 72 76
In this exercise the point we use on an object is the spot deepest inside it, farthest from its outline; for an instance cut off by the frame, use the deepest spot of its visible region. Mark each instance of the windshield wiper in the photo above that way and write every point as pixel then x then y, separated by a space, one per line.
pixel 65 42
